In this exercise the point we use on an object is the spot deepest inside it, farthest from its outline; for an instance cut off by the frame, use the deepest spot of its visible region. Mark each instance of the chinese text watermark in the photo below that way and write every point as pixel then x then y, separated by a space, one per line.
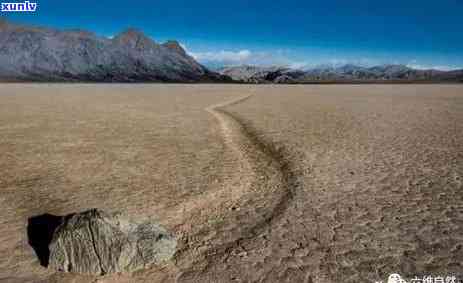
pixel 396 278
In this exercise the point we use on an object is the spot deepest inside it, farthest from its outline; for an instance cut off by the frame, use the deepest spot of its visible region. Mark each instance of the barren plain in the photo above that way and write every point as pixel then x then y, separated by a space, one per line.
pixel 259 183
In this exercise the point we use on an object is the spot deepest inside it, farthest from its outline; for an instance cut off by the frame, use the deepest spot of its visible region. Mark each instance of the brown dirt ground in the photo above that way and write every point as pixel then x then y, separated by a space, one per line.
pixel 297 183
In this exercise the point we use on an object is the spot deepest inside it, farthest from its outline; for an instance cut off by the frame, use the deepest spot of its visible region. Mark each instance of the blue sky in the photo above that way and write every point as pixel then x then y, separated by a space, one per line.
pixel 418 33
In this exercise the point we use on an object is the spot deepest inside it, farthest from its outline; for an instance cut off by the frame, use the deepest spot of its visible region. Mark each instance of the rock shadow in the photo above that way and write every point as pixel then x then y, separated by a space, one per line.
pixel 40 231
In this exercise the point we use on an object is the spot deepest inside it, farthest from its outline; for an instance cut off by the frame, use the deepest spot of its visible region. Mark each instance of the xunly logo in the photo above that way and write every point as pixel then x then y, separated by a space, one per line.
pixel 26 6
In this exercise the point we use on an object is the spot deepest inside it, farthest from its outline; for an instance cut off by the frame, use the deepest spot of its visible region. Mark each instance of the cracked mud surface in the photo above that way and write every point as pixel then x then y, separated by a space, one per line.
pixel 259 183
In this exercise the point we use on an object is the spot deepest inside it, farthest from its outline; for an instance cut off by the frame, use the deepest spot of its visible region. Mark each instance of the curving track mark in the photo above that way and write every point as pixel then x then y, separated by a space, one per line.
pixel 273 176
pixel 270 183
pixel 230 129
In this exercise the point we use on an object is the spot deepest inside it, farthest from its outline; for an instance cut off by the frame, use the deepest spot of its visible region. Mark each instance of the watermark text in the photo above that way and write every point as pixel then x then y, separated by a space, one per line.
pixel 25 6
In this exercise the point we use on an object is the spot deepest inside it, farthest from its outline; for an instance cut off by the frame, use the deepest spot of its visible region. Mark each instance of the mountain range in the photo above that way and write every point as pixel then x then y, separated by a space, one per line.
pixel 345 73
pixel 43 54
pixel 29 53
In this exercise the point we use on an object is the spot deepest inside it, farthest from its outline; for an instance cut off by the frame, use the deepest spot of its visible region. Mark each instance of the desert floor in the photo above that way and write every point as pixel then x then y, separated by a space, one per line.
pixel 266 183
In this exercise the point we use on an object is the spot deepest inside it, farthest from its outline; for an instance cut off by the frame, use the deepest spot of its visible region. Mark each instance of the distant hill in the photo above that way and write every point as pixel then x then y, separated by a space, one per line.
pixel 346 73
pixel 42 54
pixel 254 74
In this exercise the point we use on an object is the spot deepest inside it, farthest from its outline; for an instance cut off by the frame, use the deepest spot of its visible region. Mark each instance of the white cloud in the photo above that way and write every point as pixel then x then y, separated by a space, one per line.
pixel 363 62
pixel 299 65
pixel 184 47
pixel 428 67
pixel 223 56
pixel 416 65
pixel 244 57
pixel 335 62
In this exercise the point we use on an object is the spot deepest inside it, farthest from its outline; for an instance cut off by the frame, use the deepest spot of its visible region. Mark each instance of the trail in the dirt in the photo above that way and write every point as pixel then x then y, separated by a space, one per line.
pixel 266 192
pixel 270 171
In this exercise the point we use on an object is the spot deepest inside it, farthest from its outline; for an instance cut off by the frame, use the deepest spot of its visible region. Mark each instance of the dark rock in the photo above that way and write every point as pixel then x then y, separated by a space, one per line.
pixel 95 242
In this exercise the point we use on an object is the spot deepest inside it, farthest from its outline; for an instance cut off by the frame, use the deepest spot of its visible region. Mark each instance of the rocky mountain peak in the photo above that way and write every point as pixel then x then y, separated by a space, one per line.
pixel 81 33
pixel 174 45
pixel 133 38
pixel 131 33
